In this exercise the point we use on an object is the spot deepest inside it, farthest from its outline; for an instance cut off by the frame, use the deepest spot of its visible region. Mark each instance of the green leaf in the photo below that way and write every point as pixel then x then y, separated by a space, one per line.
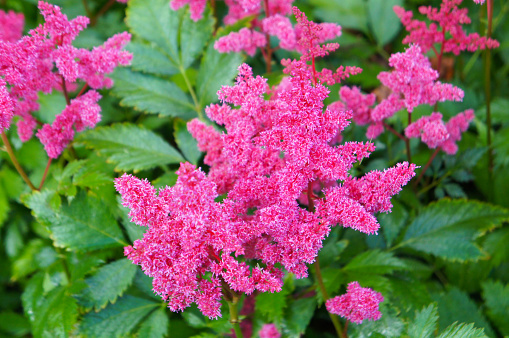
pixel 107 284
pixel 374 262
pixel 14 324
pixel 83 225
pixel 131 147
pixel 349 13
pixel 151 94
pixel 388 326
pixel 299 315
pixel 151 59
pixel 186 142
pixel 156 325
pixel 463 331
pixel 272 305
pixel 448 228
pixel 173 32
pixel 496 245
pixel 456 306
pixel 425 323
pixel 32 297
pixel 392 223
pixel 118 319
pixel 216 69
pixel 383 21
pixel 496 298
pixel 56 316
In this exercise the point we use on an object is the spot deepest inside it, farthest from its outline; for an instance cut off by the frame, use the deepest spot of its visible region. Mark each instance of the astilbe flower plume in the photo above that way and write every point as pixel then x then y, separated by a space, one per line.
pixel 445 29
pixel 11 26
pixel 412 82
pixel 45 60
pixel 357 305
pixel 269 331
pixel 274 148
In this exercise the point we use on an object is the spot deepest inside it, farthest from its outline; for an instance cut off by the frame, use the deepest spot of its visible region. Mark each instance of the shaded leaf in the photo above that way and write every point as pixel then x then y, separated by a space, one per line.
pixel 151 94
pixel 14 324
pixel 131 147
pixel 118 319
pixel 156 325
pixel 151 59
pixel 496 298
pixel 425 323
pixel 383 21
pixel 448 228
pixel 463 331
pixel 107 284
pixel 56 316
pixel 299 315
pixel 186 142
pixel 374 262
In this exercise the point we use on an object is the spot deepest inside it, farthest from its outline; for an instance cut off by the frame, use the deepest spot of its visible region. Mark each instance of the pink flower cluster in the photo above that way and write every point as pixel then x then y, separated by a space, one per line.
pixel 276 23
pixel 196 7
pixel 446 29
pixel 357 305
pixel 435 133
pixel 412 82
pixel 11 26
pixel 275 149
pixel 269 331
pixel 45 60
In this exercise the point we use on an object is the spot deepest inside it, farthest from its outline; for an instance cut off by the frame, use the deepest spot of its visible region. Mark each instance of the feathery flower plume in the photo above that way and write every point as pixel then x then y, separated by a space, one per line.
pixel 357 305
pixel 269 331
pixel 11 26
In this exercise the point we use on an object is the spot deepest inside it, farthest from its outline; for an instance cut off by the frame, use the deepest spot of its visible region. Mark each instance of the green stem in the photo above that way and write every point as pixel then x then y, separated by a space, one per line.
pixel 197 106
pixel 325 295
pixel 407 141
pixel 432 157
pixel 14 160
pixel 487 87
pixel 234 316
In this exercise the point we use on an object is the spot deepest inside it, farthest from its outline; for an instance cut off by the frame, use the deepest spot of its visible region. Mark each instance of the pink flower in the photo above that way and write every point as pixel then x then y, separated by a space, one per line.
pixel 360 104
pixel 83 112
pixel 269 331
pixel 281 27
pixel 196 7
pixel 479 2
pixel 245 40
pixel 455 127
pixel 11 26
pixel 357 305
pixel 446 29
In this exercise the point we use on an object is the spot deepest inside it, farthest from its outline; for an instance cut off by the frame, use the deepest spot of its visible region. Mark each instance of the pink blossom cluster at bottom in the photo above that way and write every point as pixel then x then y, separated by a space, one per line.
pixel 357 305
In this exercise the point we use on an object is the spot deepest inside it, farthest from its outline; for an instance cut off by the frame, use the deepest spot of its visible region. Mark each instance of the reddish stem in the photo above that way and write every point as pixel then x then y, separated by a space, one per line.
pixel 392 130
pixel 85 86
pixel 45 174
pixel 268 52
pixel 66 93
pixel 14 160
pixel 104 9
pixel 426 166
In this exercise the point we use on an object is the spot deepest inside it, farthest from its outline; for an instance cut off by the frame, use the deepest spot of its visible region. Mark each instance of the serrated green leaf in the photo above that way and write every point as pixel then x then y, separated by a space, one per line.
pixel 32 296
pixel 392 223
pixel 463 331
pixel 388 326
pixel 496 298
pixel 118 319
pixel 448 228
pixel 186 142
pixel 151 94
pixel 408 295
pixel 374 262
pixel 383 21
pixel 216 69
pixel 83 225
pixel 350 13
pixel 456 306
pixel 194 36
pixel 107 284
pixel 150 59
pixel 56 316
pixel 496 245
pixel 272 305
pixel 155 326
pixel 131 147
pixel 425 323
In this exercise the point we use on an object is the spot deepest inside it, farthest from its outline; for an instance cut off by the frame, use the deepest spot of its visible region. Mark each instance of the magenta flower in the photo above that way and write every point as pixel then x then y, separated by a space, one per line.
pixel 11 26
pixel 357 305
pixel 446 29
pixel 196 7
pixel 246 40
pixel 269 331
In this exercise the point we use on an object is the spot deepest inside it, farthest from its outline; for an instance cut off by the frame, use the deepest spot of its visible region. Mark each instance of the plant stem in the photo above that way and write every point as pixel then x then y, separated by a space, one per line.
pixel 87 9
pixel 325 295
pixel 407 141
pixel 426 166
pixel 45 174
pixel 14 160
pixel 64 90
pixel 234 317
pixel 487 87
pixel 268 54
pixel 197 106
pixel 392 130
pixel 104 9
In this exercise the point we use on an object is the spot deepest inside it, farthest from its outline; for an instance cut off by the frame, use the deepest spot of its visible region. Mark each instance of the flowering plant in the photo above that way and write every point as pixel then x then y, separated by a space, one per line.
pixel 243 176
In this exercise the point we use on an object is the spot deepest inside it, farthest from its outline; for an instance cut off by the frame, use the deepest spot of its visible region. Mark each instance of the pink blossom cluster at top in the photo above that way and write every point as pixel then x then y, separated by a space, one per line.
pixel 11 26
pixel 357 305
pixel 435 133
pixel 276 23
pixel 196 7
pixel 480 2
pixel 446 29
pixel 412 82
pixel 45 60
pixel 269 331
